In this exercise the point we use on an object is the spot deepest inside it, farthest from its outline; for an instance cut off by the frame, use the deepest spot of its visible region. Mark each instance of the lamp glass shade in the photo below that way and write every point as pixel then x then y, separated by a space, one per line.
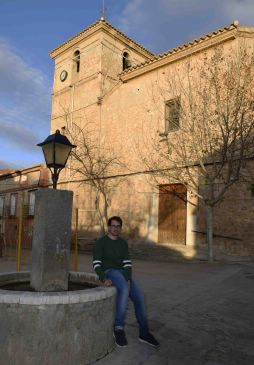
pixel 48 151
pixel 62 152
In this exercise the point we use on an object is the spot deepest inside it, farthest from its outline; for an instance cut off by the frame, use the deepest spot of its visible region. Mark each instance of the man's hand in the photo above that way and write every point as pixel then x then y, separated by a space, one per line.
pixel 107 282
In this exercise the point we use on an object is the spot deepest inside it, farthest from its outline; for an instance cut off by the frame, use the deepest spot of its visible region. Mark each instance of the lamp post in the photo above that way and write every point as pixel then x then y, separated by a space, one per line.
pixel 56 149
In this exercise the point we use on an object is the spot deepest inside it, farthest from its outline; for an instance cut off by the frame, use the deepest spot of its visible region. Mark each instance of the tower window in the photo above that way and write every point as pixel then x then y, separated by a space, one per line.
pixel 126 61
pixel 76 60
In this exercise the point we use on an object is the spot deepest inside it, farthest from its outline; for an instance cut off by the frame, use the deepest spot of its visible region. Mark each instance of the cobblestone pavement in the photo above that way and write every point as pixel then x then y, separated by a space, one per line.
pixel 201 313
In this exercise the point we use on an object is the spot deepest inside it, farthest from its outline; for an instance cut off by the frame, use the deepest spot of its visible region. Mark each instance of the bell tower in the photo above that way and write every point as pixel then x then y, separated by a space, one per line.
pixel 87 68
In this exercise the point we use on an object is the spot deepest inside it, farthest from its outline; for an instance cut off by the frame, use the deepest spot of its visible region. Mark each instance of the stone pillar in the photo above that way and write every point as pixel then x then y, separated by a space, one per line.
pixel 51 240
pixel 191 226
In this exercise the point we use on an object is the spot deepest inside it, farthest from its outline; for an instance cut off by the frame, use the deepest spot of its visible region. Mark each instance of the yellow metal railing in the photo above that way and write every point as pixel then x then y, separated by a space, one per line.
pixel 76 243
pixel 20 228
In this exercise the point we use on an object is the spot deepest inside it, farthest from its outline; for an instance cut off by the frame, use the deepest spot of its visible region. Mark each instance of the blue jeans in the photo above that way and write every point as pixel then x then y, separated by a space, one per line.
pixel 123 293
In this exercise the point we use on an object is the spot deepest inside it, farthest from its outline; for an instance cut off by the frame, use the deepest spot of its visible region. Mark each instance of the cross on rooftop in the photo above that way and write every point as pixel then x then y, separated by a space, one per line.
pixel 103 10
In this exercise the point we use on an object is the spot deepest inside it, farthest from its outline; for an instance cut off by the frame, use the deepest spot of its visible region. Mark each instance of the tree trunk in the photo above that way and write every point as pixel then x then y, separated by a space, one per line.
pixel 209 232
pixel 105 210
pixel 97 207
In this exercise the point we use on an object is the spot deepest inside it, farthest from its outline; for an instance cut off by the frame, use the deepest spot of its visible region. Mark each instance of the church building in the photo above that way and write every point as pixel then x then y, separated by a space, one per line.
pixel 106 85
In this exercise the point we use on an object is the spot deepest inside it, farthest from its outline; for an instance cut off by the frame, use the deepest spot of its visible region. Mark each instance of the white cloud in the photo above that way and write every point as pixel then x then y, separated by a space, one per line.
pixel 22 84
pixel 18 135
pixel 158 25
pixel 139 12
pixel 25 94
pixel 6 165
pixel 243 10
pixel 162 24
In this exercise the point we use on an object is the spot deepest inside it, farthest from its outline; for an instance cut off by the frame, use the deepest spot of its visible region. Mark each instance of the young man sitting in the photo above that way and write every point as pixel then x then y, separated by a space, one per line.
pixel 112 264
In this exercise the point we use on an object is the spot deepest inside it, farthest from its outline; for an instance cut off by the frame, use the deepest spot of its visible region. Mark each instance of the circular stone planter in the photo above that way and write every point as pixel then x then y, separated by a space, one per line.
pixel 53 328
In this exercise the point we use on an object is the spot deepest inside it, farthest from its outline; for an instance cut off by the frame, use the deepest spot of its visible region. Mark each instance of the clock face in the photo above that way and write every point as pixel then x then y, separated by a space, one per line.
pixel 63 75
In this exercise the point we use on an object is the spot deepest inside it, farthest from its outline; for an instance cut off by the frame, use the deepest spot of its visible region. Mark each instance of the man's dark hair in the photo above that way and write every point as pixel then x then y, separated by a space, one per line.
pixel 115 218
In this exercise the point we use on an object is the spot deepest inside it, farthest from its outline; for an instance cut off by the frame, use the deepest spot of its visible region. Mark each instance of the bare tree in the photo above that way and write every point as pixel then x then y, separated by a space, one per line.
pixel 208 136
pixel 93 164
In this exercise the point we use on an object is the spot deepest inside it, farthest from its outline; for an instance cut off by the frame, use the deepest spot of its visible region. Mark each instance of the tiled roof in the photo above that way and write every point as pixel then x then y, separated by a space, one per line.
pixel 102 21
pixel 184 46
pixel 5 171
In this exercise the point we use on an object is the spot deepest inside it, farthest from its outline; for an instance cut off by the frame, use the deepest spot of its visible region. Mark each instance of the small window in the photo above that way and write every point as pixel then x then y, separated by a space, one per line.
pixel 76 59
pixel 172 113
pixel 1 206
pixel 13 204
pixel 126 61
pixel 31 202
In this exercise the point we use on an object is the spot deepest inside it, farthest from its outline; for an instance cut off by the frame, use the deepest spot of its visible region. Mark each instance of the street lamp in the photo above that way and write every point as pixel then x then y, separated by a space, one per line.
pixel 56 149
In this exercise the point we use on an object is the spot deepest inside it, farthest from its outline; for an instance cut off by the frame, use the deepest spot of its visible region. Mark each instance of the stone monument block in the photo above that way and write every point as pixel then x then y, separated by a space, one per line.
pixel 51 240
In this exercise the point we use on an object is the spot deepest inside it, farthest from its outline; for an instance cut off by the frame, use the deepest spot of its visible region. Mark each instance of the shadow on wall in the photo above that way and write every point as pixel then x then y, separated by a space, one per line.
pixel 141 247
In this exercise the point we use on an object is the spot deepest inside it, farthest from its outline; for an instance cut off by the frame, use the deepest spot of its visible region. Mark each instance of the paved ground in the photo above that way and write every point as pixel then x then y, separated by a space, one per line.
pixel 203 314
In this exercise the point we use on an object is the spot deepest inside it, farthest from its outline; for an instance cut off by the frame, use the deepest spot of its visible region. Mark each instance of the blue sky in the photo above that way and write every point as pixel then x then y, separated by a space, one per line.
pixel 30 29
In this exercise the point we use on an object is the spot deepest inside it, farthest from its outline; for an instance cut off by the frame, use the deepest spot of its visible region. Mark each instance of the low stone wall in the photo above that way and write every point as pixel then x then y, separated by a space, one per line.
pixel 53 328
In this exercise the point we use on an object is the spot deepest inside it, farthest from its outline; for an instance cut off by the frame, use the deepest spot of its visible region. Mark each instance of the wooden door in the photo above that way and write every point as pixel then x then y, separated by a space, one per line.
pixel 172 214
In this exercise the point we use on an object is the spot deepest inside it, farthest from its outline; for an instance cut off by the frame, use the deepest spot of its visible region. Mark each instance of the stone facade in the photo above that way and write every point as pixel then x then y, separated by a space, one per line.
pixel 17 190
pixel 125 108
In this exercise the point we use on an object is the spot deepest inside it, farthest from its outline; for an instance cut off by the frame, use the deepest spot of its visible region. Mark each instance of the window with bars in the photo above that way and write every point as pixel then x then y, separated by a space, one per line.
pixel 172 115
pixel 31 202
pixel 1 205
pixel 13 204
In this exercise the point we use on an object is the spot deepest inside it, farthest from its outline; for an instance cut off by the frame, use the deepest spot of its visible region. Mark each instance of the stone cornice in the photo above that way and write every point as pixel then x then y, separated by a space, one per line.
pixel 101 24
pixel 14 173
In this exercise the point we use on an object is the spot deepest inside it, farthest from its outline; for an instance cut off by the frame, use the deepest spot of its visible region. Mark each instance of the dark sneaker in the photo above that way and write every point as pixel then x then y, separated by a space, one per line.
pixel 150 340
pixel 120 338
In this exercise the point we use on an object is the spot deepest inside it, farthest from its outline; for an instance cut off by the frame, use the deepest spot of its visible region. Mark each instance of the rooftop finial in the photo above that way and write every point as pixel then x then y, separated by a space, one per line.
pixel 103 11
pixel 235 23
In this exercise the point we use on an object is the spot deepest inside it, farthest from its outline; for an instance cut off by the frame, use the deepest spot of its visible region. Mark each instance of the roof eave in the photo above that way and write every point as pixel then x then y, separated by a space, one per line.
pixel 18 172
pixel 94 28
pixel 179 53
